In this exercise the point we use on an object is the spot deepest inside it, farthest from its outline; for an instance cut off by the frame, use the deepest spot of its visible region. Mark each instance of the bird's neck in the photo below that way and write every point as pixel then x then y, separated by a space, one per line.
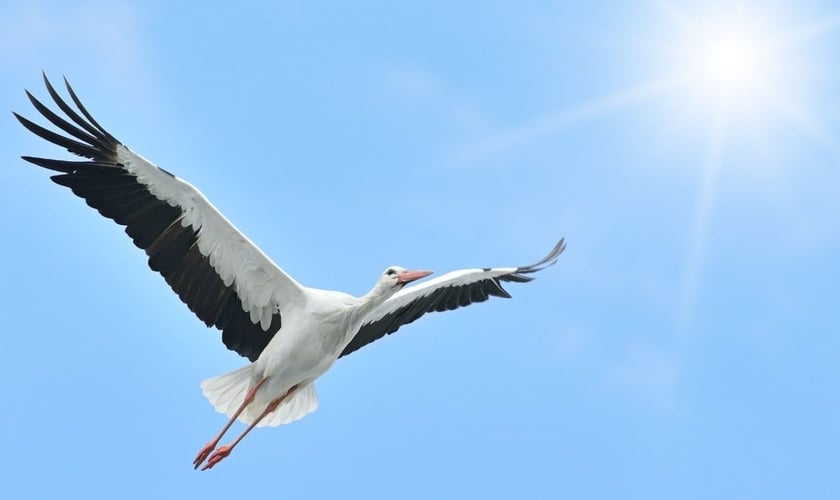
pixel 356 315
pixel 372 300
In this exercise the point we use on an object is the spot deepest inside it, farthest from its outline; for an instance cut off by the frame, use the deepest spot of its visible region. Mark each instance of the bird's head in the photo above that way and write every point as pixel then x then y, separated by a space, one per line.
pixel 391 281
pixel 396 277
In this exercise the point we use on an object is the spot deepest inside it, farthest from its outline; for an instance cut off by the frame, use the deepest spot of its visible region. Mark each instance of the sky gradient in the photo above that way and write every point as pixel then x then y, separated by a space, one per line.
pixel 685 345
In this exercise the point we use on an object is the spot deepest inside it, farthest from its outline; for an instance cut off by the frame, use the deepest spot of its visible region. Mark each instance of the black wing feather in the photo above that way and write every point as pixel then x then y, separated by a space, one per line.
pixel 153 224
pixel 449 298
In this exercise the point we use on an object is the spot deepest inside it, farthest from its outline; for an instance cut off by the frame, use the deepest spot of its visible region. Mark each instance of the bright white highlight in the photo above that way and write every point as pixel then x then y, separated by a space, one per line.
pixel 732 64
pixel 743 66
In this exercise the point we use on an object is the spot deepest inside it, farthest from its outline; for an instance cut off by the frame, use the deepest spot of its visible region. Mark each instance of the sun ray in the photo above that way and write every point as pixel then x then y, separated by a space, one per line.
pixel 704 204
pixel 549 123
pixel 805 122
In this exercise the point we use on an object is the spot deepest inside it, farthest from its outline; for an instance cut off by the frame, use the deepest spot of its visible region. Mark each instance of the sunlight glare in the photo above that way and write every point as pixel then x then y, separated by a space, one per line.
pixel 732 57
pixel 732 64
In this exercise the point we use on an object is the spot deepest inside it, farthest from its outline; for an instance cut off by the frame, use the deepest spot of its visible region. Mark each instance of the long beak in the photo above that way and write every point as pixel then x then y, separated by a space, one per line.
pixel 409 276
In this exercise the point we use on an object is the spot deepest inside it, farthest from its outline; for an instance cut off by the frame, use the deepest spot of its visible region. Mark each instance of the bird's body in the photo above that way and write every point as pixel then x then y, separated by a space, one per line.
pixel 291 333
pixel 313 337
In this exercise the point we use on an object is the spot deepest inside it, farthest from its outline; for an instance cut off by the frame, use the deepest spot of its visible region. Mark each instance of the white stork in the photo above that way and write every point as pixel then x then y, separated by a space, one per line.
pixel 229 283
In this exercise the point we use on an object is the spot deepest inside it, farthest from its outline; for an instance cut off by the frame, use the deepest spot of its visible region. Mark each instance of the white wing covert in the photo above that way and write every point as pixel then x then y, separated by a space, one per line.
pixel 445 293
pixel 226 280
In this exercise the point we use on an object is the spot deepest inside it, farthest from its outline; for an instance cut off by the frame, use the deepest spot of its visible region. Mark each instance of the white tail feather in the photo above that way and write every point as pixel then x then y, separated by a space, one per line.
pixel 227 392
pixel 300 403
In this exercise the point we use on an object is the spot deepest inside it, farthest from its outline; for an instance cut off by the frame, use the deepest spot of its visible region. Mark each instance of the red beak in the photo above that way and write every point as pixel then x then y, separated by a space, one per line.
pixel 409 276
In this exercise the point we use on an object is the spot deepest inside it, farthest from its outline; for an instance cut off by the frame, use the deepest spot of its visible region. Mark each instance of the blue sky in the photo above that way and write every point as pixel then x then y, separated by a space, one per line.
pixel 686 345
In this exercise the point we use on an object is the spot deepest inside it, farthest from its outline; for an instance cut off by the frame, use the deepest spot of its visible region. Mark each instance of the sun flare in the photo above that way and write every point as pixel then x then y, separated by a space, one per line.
pixel 743 74
pixel 730 59
pixel 732 64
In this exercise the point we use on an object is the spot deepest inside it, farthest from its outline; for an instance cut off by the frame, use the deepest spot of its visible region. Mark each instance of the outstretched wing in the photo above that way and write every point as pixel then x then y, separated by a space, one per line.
pixel 221 276
pixel 450 291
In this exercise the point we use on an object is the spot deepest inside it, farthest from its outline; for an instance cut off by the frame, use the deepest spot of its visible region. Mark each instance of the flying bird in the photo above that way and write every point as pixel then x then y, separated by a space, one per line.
pixel 290 333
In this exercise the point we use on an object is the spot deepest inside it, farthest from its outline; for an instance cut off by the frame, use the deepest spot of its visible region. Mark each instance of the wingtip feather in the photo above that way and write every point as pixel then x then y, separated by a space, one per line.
pixel 548 260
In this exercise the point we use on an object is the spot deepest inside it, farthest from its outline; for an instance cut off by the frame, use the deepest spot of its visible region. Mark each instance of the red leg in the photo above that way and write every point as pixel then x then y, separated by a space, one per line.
pixel 205 451
pixel 224 451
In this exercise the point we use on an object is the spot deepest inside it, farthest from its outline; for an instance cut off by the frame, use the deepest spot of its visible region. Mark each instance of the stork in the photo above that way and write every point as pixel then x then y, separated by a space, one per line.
pixel 290 333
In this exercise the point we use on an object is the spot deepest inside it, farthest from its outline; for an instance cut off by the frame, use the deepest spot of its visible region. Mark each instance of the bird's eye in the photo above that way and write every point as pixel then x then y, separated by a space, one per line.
pixel 390 272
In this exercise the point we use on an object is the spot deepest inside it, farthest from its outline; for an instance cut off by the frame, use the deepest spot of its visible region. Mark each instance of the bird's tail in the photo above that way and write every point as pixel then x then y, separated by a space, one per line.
pixel 301 402
pixel 227 392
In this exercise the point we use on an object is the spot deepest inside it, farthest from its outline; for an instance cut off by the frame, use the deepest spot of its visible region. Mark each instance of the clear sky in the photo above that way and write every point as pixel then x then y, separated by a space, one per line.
pixel 686 345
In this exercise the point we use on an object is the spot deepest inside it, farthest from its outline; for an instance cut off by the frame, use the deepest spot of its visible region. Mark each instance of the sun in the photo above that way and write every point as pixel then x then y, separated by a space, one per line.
pixel 741 82
pixel 732 64
pixel 729 59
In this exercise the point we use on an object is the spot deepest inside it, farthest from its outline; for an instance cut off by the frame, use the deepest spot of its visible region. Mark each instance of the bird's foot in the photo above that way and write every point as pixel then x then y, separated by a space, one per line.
pixel 204 453
pixel 217 456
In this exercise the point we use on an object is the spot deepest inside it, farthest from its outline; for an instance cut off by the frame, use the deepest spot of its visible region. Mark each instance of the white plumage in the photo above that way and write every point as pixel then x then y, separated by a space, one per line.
pixel 290 332
pixel 227 392
pixel 259 282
